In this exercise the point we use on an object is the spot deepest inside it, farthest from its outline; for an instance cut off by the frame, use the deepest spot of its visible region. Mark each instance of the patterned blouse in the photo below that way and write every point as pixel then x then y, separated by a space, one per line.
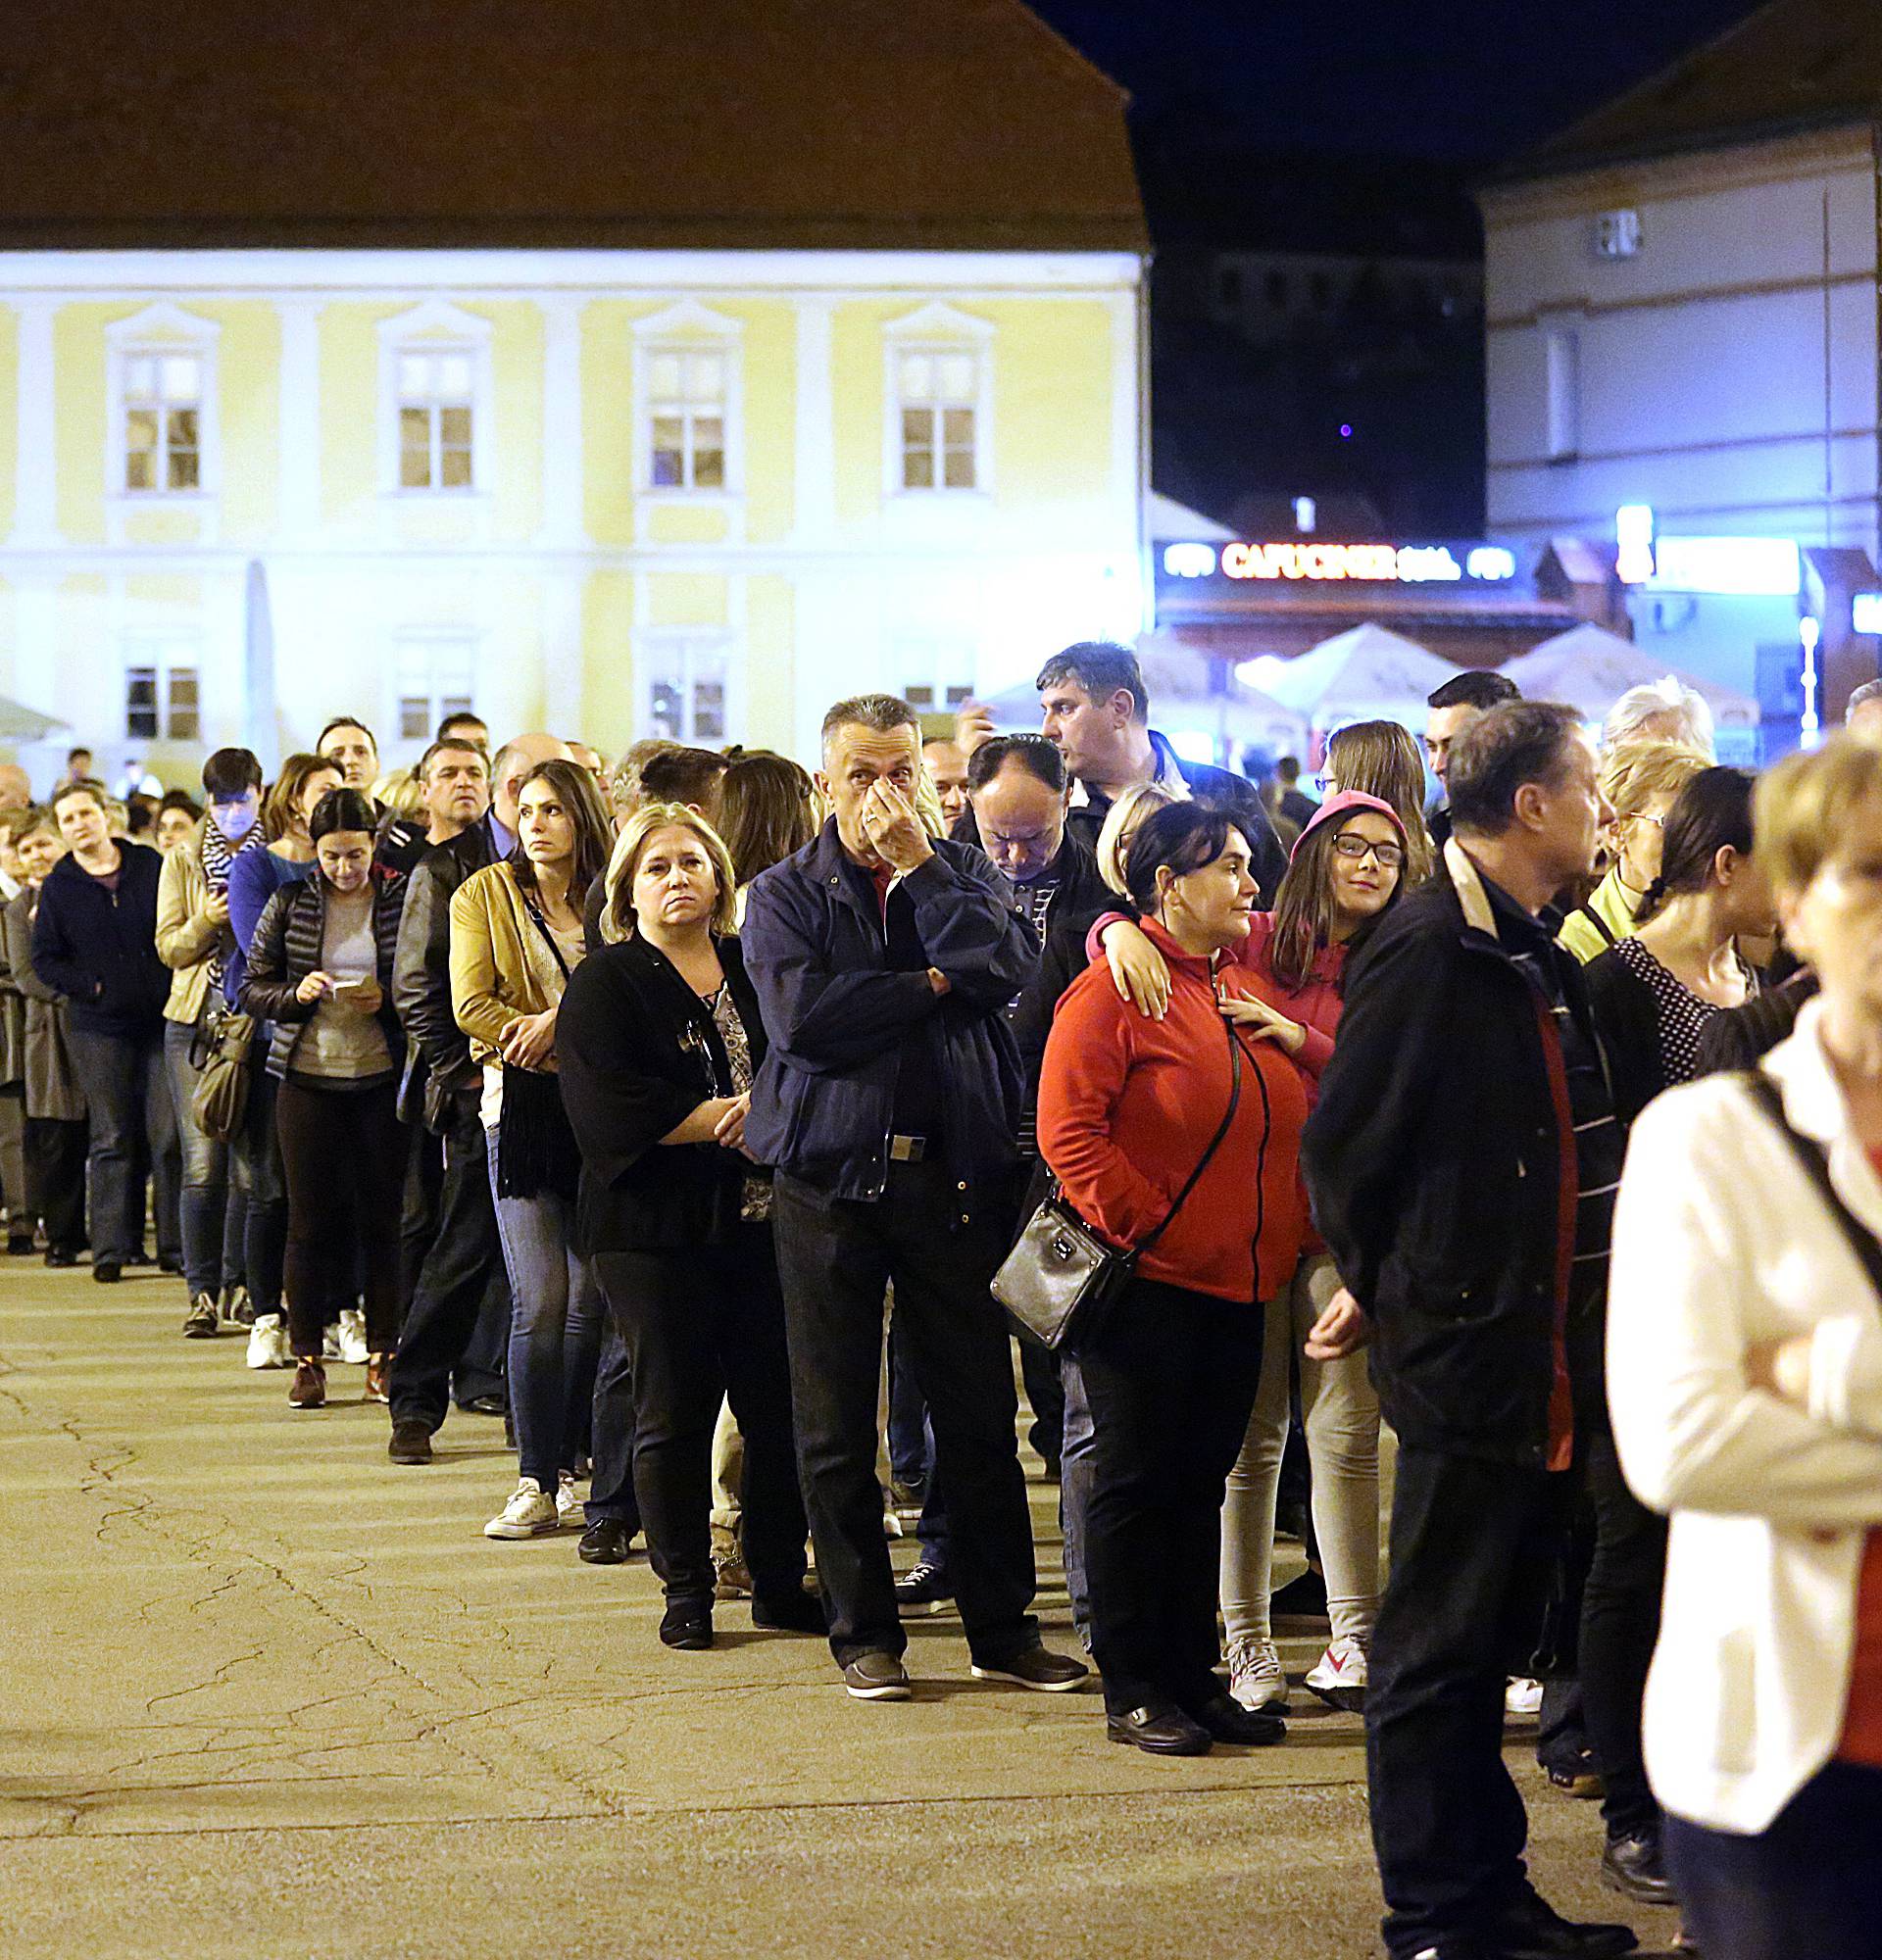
pixel 757 1201
pixel 1682 1014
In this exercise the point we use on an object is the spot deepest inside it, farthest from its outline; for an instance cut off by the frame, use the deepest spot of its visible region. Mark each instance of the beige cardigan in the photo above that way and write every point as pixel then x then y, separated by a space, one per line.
pixel 186 937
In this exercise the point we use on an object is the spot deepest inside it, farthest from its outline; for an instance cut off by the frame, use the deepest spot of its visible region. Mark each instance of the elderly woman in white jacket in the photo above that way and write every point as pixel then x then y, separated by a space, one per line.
pixel 1745 1381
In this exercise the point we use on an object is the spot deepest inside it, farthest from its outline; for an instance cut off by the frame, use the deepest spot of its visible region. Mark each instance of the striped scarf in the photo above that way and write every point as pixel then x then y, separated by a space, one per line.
pixel 218 854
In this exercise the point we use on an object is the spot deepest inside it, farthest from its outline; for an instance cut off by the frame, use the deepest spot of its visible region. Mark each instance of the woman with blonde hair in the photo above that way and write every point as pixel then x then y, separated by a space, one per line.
pixel 1380 759
pixel 1641 780
pixel 659 1038
pixel 515 940
pixel 1123 820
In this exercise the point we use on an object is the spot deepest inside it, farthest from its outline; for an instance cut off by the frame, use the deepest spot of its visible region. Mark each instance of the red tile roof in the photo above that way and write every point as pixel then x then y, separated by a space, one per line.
pixel 948 124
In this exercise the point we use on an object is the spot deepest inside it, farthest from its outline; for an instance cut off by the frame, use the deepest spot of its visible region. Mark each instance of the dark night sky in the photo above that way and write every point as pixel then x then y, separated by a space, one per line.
pixel 1470 82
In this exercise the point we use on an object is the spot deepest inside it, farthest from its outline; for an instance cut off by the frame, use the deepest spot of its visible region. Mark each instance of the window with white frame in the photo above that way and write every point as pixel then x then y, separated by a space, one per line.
pixel 163 688
pixel 686 410
pixel 436 674
pixel 163 420
pixel 684 689
pixel 437 413
pixel 938 397
pixel 934 675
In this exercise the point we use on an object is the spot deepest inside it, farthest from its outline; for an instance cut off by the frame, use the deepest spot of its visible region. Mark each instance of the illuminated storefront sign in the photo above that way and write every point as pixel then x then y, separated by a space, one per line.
pixel 1731 567
pixel 1865 613
pixel 1321 563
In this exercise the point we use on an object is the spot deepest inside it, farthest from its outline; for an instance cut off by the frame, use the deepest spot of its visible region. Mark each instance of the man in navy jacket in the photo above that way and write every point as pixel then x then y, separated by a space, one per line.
pixel 888 1102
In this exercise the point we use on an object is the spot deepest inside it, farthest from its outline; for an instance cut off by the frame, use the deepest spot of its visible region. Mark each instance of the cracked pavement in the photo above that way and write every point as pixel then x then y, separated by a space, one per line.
pixel 264 1694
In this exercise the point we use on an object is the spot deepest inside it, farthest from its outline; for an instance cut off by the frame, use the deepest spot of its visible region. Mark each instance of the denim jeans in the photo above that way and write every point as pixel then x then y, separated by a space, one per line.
pixel 256 1181
pixel 555 1330
pixel 1809 1883
pixel 1075 1471
pixel 204 1169
pixel 610 1447
pixel 128 1097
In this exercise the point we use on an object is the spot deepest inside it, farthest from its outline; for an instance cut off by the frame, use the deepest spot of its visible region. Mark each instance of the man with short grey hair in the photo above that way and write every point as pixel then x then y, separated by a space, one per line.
pixel 887 1105
pixel 1862 717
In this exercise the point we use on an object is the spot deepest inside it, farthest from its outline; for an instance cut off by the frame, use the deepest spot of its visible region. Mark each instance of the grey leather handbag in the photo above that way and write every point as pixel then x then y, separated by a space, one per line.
pixel 1061 1276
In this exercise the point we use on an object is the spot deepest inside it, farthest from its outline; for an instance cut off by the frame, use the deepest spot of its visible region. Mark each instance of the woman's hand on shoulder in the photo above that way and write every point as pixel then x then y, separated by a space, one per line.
pixel 1264 1022
pixel 1139 972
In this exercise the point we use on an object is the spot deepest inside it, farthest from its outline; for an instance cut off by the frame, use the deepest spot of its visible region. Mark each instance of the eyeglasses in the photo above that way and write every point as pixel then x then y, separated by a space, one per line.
pixel 1326 785
pixel 1390 855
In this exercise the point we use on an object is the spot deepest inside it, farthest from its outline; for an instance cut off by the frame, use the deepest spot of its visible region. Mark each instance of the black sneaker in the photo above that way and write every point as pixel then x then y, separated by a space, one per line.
pixel 200 1322
pixel 1533 1930
pixel 107 1272
pixel 1036 1667
pixel 19 1245
pixel 878 1677
pixel 410 1442
pixel 60 1256
pixel 606 1542
pixel 171 1263
pixel 687 1624
pixel 923 1588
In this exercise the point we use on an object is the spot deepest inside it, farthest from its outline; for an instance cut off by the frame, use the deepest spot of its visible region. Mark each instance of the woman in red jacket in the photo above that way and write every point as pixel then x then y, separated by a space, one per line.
pixel 1128 1106
pixel 1347 869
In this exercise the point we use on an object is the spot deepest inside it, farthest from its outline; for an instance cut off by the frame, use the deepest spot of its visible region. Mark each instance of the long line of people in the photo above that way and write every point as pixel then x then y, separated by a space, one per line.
pixel 639 1104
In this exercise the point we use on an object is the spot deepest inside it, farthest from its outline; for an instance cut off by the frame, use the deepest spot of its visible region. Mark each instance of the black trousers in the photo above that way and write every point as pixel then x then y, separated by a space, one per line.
pixel 1809 1883
pixel 1619 1629
pixel 836 1258
pixel 479 1370
pixel 464 1261
pixel 342 1153
pixel 56 1179
pixel 1169 1376
pixel 1473 1545
pixel 698 1326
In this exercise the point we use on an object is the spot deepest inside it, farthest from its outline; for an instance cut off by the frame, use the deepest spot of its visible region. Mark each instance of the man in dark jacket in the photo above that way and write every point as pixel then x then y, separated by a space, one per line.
pixel 1462 1161
pixel 883 965
pixel 1094 706
pixel 451 1251
pixel 96 942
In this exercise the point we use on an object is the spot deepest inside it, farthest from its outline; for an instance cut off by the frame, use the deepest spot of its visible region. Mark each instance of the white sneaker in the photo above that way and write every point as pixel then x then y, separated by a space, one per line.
pixel 529 1514
pixel 268 1343
pixel 1338 1677
pixel 353 1346
pixel 1522 1698
pixel 569 1514
pixel 1256 1677
pixel 329 1342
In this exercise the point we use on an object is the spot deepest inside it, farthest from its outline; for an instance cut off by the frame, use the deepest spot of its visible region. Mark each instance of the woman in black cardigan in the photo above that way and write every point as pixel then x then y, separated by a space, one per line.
pixel 656 1040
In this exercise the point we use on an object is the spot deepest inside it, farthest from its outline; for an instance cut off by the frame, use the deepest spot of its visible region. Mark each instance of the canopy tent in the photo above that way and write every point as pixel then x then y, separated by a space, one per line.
pixel 1367 673
pixel 20 723
pixel 1591 668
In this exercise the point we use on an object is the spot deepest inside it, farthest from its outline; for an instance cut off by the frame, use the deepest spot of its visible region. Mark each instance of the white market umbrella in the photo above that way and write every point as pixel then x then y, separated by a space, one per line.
pixel 1367 673
pixel 1589 668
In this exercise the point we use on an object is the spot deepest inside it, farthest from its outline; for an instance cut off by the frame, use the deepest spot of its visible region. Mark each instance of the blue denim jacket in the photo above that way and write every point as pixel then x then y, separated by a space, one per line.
pixel 838 1019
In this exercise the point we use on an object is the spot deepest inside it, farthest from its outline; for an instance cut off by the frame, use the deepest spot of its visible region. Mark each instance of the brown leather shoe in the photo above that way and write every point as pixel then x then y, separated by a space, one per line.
pixel 310 1385
pixel 379 1378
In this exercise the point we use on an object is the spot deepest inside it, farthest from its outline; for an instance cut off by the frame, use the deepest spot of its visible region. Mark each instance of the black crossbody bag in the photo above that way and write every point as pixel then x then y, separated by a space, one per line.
pixel 1815 1160
pixel 1061 1276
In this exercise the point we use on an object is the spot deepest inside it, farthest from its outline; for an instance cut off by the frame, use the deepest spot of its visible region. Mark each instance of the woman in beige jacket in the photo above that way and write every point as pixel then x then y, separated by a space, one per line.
pixel 516 937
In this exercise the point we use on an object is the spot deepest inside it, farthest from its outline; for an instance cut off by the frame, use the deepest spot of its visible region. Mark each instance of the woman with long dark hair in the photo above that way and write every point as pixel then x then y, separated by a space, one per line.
pixel 515 938
pixel 766 812
pixel 1130 1108
pixel 1346 873
pixel 1653 996
pixel 320 967
pixel 661 1036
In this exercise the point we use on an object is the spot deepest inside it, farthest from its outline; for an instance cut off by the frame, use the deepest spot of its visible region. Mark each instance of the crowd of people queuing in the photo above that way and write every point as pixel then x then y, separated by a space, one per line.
pixel 633 1102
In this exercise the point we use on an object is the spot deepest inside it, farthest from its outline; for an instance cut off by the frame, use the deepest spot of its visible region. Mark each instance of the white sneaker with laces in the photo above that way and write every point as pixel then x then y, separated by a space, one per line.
pixel 568 1508
pixel 353 1346
pixel 268 1343
pixel 529 1513
pixel 1338 1677
pixel 1256 1677
pixel 1522 1698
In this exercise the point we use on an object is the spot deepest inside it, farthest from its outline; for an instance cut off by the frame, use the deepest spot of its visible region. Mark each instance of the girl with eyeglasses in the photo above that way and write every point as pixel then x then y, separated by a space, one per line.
pixel 1347 870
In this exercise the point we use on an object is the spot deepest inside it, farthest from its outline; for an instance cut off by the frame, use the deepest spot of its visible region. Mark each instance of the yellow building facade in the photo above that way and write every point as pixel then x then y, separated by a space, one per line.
pixel 611 493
